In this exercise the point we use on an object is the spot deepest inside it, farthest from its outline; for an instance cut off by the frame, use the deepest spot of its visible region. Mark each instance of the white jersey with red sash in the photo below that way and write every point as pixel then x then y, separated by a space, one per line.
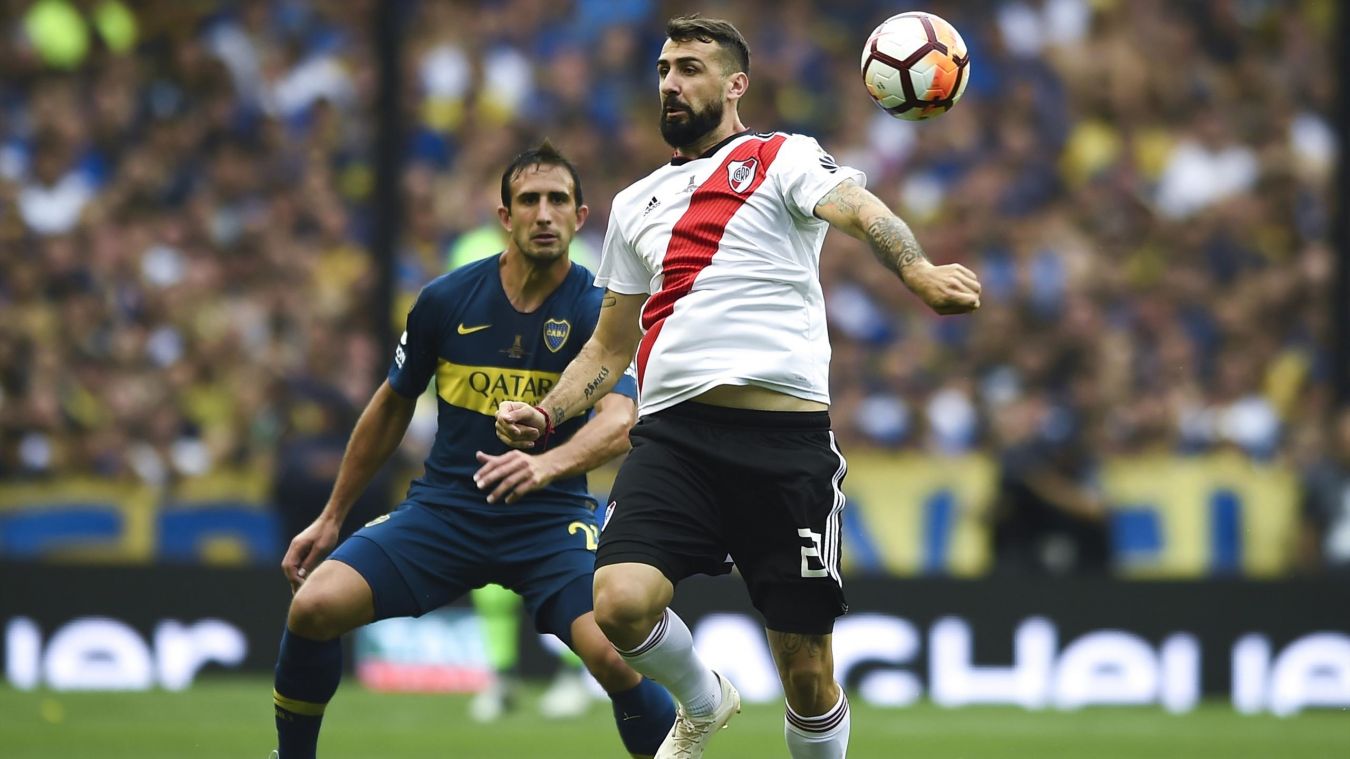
pixel 728 246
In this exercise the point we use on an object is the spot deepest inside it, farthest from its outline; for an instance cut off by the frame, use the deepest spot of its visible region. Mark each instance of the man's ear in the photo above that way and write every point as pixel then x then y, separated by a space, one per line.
pixel 737 84
pixel 583 213
pixel 504 216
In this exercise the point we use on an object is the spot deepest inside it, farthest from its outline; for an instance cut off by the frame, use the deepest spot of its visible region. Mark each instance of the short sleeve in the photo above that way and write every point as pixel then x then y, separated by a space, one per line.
pixel 627 384
pixel 805 173
pixel 621 268
pixel 415 355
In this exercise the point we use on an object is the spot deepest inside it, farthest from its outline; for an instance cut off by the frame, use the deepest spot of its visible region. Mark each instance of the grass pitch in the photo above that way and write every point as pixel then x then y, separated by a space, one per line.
pixel 231 717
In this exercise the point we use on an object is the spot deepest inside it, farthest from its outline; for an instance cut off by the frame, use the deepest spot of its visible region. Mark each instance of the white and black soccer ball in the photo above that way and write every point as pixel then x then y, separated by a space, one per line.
pixel 915 66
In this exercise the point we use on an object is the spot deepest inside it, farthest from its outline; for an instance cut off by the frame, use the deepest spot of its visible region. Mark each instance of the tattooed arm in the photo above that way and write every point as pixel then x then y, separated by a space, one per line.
pixel 592 374
pixel 949 289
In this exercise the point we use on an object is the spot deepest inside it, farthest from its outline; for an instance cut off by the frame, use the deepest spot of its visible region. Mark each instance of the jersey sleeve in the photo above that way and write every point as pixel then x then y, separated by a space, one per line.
pixel 415 355
pixel 627 384
pixel 806 173
pixel 621 268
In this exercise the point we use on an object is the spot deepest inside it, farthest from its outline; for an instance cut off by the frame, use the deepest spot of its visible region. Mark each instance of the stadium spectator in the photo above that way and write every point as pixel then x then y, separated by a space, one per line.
pixel 1050 516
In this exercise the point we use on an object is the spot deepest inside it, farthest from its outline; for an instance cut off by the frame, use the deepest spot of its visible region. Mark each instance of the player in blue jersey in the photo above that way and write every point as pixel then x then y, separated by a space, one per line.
pixel 497 330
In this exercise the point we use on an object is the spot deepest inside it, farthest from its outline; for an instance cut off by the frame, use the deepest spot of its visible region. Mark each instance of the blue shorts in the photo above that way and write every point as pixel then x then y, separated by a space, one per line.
pixel 421 557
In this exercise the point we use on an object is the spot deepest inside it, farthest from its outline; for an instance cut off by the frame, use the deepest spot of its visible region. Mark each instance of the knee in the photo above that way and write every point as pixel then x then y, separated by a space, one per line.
pixel 314 614
pixel 624 609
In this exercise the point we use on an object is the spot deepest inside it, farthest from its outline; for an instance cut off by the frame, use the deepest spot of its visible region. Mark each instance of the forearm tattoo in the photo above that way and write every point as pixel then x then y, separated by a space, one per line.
pixel 892 241
pixel 573 392
pixel 557 415
pixel 894 244
pixel 595 384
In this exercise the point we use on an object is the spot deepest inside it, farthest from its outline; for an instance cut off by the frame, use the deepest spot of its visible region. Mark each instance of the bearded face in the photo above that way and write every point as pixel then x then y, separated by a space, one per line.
pixel 683 124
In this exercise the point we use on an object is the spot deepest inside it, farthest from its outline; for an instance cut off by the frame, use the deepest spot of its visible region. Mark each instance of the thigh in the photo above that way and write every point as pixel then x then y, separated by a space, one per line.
pixel 663 509
pixel 784 527
pixel 549 559
pixel 417 558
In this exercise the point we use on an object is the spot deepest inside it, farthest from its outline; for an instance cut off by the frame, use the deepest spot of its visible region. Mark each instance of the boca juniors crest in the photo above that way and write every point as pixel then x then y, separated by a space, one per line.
pixel 741 173
pixel 555 334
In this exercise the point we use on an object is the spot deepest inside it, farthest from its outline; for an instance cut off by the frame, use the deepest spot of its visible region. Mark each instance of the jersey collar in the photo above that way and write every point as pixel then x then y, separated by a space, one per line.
pixel 680 160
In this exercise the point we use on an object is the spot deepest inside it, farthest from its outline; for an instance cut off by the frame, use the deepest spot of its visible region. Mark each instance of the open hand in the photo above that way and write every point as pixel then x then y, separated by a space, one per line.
pixel 510 475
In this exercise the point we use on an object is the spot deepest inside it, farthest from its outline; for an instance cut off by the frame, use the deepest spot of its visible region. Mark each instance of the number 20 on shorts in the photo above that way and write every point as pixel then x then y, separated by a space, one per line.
pixel 812 551
pixel 592 534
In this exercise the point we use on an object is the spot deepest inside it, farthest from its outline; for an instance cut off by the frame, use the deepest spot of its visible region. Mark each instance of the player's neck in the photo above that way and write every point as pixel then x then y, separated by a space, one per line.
pixel 527 283
pixel 731 124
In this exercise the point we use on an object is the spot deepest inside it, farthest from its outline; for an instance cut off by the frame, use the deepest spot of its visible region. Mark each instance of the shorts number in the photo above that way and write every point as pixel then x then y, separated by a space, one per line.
pixel 811 554
pixel 592 534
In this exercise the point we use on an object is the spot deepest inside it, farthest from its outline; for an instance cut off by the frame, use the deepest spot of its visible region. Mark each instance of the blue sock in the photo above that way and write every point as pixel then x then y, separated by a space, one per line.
pixel 644 714
pixel 306 678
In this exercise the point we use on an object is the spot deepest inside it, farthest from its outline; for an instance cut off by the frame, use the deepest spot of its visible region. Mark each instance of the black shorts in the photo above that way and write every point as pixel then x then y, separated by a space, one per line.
pixel 763 487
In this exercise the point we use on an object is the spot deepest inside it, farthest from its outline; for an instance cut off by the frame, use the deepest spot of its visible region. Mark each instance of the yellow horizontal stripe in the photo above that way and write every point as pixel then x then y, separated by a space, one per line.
pixel 483 388
pixel 296 706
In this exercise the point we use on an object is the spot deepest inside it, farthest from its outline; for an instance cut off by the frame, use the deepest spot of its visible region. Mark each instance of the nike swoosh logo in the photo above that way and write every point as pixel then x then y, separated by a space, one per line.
pixel 463 330
pixel 635 716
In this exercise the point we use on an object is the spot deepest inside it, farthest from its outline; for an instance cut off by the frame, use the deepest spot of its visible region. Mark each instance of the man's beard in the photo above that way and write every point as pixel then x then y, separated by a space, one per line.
pixel 680 134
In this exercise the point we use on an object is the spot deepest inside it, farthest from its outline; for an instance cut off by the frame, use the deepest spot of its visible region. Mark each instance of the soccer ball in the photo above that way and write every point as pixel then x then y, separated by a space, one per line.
pixel 915 66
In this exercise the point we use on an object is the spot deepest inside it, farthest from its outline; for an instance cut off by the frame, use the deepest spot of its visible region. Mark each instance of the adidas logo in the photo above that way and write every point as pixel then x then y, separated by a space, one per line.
pixel 651 206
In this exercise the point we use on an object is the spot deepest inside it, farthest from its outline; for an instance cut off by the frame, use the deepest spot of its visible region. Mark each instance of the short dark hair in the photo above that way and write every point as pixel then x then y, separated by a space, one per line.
pixel 544 155
pixel 728 37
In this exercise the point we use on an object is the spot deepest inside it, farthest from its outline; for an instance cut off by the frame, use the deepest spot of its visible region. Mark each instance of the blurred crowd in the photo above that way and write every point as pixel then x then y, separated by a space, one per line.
pixel 1144 188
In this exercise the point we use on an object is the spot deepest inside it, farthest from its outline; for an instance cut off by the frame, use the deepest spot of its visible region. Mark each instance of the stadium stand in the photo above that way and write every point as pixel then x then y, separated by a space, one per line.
pixel 184 195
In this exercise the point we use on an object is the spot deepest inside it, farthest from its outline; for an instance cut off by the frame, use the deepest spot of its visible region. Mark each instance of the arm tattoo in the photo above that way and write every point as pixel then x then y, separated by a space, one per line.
pixel 595 384
pixel 844 198
pixel 894 244
pixel 608 301
pixel 556 415
pixel 891 239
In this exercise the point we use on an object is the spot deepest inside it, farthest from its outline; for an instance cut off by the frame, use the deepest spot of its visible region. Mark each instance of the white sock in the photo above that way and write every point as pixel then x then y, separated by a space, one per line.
pixel 823 737
pixel 669 658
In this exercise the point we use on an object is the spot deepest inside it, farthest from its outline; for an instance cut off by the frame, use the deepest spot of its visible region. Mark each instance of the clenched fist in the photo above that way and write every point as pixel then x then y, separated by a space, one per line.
pixel 519 425
pixel 947 289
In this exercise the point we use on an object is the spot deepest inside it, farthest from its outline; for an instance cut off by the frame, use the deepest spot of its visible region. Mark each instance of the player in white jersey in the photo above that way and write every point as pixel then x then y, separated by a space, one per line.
pixel 710 268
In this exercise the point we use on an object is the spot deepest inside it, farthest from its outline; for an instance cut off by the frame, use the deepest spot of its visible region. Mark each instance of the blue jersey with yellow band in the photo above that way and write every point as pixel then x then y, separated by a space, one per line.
pixel 464 333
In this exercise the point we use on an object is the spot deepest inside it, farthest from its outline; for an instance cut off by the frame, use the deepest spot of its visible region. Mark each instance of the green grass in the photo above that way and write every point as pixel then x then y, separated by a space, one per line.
pixel 231 717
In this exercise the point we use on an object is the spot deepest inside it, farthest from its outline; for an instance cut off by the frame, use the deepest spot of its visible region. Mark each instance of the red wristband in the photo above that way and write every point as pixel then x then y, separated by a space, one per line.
pixel 548 427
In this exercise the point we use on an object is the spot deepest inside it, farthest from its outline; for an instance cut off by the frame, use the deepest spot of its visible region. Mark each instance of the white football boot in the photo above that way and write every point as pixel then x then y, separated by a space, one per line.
pixel 689 736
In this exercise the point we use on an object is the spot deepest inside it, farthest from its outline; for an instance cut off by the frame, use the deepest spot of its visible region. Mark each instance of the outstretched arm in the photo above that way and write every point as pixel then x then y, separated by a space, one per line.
pixel 948 289
pixel 513 474
pixel 375 438
pixel 588 378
